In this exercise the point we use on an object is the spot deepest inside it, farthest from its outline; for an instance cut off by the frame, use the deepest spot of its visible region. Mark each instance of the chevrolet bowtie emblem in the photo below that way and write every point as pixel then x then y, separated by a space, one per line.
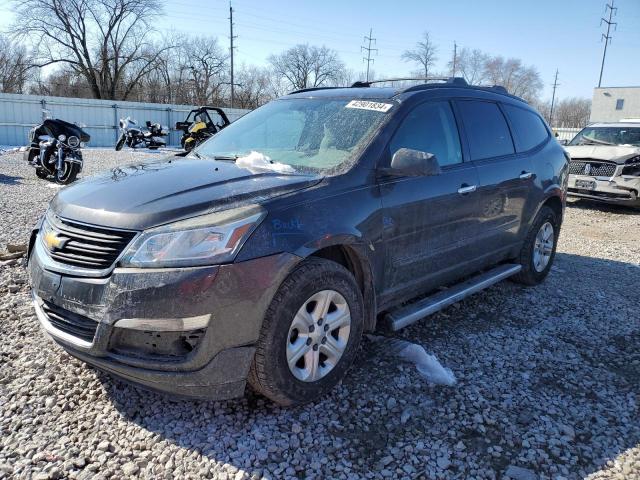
pixel 53 241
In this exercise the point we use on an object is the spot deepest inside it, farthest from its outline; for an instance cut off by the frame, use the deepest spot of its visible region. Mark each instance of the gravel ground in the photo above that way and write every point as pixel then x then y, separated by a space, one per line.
pixel 548 383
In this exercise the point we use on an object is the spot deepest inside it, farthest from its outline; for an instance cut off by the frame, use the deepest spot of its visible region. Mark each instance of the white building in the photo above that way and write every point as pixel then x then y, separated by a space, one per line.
pixel 611 104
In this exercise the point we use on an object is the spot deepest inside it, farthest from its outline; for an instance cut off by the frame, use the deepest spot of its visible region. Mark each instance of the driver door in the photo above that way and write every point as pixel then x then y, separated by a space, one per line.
pixel 430 222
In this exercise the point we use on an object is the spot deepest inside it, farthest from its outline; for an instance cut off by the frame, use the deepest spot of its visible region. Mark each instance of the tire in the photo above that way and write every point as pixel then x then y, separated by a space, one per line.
pixel 189 143
pixel 68 175
pixel 270 373
pixel 533 270
pixel 120 142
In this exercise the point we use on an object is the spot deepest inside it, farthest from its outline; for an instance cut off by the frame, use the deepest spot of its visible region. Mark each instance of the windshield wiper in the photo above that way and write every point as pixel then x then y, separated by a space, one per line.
pixel 227 158
pixel 593 141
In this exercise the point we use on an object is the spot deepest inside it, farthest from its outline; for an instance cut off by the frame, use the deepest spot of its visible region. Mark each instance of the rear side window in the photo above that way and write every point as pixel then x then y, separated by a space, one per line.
pixel 486 129
pixel 528 129
pixel 430 127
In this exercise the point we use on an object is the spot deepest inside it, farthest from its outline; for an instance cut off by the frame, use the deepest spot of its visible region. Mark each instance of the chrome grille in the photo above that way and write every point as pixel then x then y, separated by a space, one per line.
pixel 84 246
pixel 69 322
pixel 594 168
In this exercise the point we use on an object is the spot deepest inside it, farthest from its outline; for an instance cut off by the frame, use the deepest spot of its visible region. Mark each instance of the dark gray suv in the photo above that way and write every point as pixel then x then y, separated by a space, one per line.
pixel 265 253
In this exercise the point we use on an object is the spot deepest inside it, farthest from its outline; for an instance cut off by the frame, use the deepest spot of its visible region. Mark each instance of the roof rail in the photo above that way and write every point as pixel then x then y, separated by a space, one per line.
pixel 449 80
pixel 311 89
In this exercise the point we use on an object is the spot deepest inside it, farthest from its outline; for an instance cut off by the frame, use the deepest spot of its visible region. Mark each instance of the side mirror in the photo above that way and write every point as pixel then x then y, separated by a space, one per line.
pixel 413 163
pixel 563 142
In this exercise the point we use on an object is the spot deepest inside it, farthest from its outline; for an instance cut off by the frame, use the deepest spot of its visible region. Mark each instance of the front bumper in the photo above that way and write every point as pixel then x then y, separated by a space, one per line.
pixel 210 362
pixel 622 190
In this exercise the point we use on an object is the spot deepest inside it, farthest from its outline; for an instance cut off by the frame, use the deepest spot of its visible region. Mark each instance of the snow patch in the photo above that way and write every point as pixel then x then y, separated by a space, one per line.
pixel 257 162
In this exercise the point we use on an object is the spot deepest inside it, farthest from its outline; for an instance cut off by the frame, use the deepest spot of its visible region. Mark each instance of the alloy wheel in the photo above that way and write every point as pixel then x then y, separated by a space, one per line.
pixel 318 335
pixel 543 247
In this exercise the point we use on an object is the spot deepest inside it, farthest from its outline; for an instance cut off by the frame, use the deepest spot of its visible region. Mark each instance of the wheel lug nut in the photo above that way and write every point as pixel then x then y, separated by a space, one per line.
pixel 308 341
pixel 326 327
pixel 315 347
pixel 320 322
pixel 312 328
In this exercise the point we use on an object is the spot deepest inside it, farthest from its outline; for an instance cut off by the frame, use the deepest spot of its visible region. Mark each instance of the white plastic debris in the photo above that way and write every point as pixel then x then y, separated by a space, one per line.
pixel 257 162
pixel 426 364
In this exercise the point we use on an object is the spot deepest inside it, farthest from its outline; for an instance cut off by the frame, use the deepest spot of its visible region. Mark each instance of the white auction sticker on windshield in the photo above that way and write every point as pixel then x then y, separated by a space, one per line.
pixel 366 105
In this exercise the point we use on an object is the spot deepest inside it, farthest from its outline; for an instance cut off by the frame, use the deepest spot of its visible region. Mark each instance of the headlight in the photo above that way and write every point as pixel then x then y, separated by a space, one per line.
pixel 204 240
pixel 62 138
pixel 73 141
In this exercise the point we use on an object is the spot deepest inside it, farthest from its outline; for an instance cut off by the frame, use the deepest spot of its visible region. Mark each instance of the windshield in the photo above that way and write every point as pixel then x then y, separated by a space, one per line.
pixel 310 135
pixel 618 135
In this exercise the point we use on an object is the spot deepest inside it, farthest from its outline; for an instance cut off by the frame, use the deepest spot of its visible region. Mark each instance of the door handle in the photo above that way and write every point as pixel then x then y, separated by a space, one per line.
pixel 464 189
pixel 526 175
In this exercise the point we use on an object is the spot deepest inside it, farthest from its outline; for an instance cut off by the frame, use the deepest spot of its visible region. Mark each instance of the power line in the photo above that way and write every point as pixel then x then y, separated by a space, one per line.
pixel 607 37
pixel 553 98
pixel 368 49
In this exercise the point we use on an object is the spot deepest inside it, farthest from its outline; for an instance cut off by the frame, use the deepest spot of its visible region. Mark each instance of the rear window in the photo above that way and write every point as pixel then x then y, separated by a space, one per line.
pixel 486 129
pixel 529 131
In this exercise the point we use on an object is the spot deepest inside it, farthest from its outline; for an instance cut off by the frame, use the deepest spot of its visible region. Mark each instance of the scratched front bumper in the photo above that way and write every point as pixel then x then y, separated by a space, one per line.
pixel 236 296
pixel 621 189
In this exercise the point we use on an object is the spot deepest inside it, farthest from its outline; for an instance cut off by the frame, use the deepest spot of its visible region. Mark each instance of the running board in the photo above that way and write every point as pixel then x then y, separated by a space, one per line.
pixel 400 318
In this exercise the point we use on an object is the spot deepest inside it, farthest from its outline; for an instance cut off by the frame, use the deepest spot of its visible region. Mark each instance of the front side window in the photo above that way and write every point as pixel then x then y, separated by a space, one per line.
pixel 431 128
pixel 529 131
pixel 486 129
pixel 311 135
pixel 618 135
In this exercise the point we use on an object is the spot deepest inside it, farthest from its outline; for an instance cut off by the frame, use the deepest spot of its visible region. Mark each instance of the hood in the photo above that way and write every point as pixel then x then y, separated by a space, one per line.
pixel 614 153
pixel 145 195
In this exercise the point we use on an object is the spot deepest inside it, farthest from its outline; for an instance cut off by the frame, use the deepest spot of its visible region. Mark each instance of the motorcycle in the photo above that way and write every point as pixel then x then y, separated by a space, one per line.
pixel 134 137
pixel 54 150
pixel 199 126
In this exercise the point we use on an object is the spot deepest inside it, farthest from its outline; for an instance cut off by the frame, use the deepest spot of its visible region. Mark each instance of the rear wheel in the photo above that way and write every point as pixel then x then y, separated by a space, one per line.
pixel 68 173
pixel 539 248
pixel 310 335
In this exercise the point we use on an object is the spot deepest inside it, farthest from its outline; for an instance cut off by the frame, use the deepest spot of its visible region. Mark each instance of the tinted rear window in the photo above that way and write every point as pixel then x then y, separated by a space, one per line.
pixel 486 128
pixel 529 131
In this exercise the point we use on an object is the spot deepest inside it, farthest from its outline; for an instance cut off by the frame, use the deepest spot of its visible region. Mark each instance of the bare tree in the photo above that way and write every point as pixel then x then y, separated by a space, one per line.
pixel 517 78
pixel 207 67
pixel 568 113
pixel 471 65
pixel 305 66
pixel 108 42
pixel 14 66
pixel 254 87
pixel 424 54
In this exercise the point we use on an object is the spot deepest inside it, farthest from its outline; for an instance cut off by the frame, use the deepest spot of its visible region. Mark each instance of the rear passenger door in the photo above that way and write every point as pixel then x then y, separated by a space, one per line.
pixel 429 221
pixel 505 178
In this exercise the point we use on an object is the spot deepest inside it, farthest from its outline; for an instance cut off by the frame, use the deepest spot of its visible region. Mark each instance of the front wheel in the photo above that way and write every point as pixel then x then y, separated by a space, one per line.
pixel 120 142
pixel 68 173
pixel 539 248
pixel 310 335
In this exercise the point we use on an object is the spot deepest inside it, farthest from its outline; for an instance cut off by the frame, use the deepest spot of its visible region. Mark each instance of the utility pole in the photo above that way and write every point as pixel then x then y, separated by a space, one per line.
pixel 368 49
pixel 455 58
pixel 231 37
pixel 553 98
pixel 607 37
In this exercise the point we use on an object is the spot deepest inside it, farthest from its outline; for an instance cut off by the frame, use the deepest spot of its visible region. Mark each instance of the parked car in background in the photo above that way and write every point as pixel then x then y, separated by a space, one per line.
pixel 265 254
pixel 605 163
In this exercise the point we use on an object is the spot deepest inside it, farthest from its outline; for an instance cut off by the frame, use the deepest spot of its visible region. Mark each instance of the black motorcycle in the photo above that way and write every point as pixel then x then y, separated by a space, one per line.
pixel 54 150
pixel 135 137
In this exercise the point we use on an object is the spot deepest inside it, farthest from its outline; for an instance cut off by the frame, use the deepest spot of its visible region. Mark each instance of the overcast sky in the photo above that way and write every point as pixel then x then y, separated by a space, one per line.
pixel 544 33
